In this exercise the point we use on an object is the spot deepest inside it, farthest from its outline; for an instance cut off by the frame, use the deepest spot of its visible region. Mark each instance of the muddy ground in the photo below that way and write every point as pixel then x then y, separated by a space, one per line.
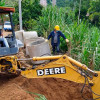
pixel 19 88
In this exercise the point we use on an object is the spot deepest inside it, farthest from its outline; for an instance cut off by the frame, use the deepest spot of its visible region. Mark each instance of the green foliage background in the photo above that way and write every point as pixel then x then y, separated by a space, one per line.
pixel 31 10
pixel 2 2
pixel 84 37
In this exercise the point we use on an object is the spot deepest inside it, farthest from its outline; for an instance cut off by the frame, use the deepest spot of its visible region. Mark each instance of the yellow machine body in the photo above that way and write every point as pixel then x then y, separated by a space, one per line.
pixel 9 64
pixel 96 86
pixel 63 67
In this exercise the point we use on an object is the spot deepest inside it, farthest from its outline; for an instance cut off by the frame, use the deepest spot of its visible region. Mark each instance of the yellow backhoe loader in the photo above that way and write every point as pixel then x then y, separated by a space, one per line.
pixel 9 45
pixel 61 66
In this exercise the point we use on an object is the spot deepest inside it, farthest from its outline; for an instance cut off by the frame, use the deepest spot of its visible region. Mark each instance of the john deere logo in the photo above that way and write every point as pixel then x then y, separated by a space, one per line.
pixel 51 71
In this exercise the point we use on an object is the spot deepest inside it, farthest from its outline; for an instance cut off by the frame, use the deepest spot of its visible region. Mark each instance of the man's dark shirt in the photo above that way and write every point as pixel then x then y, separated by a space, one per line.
pixel 52 35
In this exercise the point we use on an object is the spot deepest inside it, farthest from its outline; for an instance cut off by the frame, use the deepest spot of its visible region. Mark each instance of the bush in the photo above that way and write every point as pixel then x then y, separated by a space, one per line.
pixel 2 2
pixel 31 10
pixel 94 11
pixel 95 18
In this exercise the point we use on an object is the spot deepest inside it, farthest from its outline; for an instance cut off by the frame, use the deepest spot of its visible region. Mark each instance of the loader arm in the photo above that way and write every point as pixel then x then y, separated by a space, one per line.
pixel 66 68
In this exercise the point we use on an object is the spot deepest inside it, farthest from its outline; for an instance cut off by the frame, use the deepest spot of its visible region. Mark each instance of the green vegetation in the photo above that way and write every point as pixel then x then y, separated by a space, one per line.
pixel 94 12
pixel 85 44
pixel 2 2
pixel 84 36
pixel 31 10
pixel 40 96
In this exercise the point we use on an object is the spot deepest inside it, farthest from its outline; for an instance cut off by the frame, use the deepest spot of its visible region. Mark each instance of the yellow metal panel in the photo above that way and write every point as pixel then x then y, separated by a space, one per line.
pixel 64 67
pixel 69 72
pixel 82 66
pixel 13 60
pixel 96 86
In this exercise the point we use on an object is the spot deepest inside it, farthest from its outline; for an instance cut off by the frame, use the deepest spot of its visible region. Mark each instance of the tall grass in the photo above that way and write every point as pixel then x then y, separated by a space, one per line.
pixel 85 44
pixel 51 16
pixel 84 39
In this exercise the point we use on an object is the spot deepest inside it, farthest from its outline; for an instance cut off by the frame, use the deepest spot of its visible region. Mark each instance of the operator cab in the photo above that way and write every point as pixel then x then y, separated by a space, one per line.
pixel 8 43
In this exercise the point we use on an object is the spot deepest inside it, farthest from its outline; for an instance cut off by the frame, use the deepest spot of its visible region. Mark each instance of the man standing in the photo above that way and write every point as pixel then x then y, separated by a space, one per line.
pixel 55 38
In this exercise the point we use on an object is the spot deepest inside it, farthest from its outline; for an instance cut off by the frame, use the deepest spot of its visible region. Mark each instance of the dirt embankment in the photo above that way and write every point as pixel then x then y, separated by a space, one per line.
pixel 15 88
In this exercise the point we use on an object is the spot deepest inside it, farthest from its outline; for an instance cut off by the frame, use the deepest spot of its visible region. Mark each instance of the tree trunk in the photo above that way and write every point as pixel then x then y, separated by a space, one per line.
pixel 79 12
